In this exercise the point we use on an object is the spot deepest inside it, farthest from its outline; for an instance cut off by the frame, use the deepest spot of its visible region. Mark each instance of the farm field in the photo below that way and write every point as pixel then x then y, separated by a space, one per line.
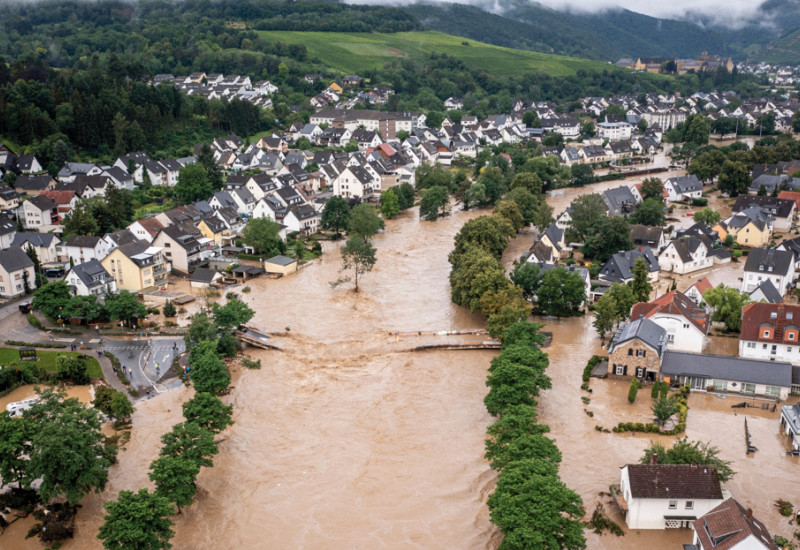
pixel 357 52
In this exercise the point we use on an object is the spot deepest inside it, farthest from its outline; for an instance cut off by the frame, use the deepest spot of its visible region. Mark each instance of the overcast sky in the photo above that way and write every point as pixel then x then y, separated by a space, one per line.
pixel 730 12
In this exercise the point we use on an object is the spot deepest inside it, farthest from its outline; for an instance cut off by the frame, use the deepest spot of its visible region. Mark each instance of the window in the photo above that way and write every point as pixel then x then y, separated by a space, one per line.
pixel 641 353
pixel 639 372
pixel 689 504
pixel 685 325
pixel 720 385
pixel 751 345
pixel 773 391
pixel 748 388
pixel 619 370
pixel 790 335
pixel 630 351
pixel 766 334
pixel 673 504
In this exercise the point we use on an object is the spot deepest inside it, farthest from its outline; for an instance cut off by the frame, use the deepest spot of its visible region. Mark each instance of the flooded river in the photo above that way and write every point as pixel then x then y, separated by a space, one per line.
pixel 346 440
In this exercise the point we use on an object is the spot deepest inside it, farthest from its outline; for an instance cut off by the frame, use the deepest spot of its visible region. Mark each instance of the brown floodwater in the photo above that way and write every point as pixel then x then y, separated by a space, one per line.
pixel 84 393
pixel 345 439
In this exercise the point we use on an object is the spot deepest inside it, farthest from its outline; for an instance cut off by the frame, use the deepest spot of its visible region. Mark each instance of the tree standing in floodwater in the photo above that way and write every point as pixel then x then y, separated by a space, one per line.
pixel 358 255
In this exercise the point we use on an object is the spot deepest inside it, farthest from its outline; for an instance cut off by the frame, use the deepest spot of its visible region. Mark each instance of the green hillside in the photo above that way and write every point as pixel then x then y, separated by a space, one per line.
pixel 358 52
pixel 785 50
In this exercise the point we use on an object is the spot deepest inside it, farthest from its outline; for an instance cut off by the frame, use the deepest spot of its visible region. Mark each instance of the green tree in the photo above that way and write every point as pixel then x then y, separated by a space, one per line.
pixel 67 428
pixel 435 202
pixel 527 276
pixel 527 180
pixel 200 329
pixel 623 298
pixel 137 520
pixel 605 315
pixel 727 303
pixel 534 509
pixel 707 165
pixel 652 188
pixel 609 237
pixel 474 274
pixel 113 403
pixel 633 389
pixel 650 212
pixel 390 205
pixel 262 235
pixel 189 441
pixel 474 196
pixel 213 172
pixel 336 215
pixel 684 451
pixel 696 130
pixel 193 184
pixel 586 213
pixel 582 174
pixel 405 195
pixel 708 216
pixel 436 175
pixel 504 309
pixel 664 408
pixel 208 372
pixel 526 446
pixel 531 119
pixel 796 122
pixel 124 306
pixel 358 256
pixel 72 369
pixel 80 221
pixel 51 298
pixel 642 125
pixel 37 265
pixel 514 383
pixel 169 309
pixel 233 314
pixel 15 449
pixel 734 178
pixel 87 307
pixel 640 285
pixel 364 221
pixel 542 214
pixel 510 211
pixel 524 333
pixel 491 233
pixel 561 292
pixel 209 412
pixel 525 201
pixel 175 478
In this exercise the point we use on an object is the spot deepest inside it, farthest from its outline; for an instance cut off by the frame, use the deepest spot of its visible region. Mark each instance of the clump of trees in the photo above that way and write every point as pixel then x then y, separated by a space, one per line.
pixel 56 302
pixel 614 306
pixel 684 451
pixel 727 303
pixel 530 504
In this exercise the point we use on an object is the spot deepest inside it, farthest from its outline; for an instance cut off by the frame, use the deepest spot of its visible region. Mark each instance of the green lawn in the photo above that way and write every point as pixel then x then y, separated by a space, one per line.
pixel 151 208
pixel 47 359
pixel 357 52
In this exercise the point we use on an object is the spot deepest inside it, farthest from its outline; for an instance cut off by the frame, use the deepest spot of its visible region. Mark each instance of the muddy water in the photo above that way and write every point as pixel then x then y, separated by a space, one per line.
pixel 84 393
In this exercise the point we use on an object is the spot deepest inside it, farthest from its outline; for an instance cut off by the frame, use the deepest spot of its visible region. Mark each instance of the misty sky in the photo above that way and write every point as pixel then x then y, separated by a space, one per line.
pixel 730 12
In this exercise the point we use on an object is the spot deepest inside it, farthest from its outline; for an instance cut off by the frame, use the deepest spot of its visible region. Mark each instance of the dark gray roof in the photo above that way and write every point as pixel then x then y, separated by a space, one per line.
pixel 686 184
pixel 645 330
pixel 619 200
pixel 281 260
pixel 646 235
pixel 781 208
pixel 619 268
pixel 42 203
pixel 92 273
pixel 14 259
pixel 723 367
pixel 769 291
pixel 36 239
pixel 7 225
pixel 203 275
pixel 82 241
pixel 769 260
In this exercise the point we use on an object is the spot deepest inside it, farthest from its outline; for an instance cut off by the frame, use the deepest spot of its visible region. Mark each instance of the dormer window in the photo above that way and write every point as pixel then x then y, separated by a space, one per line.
pixel 773 315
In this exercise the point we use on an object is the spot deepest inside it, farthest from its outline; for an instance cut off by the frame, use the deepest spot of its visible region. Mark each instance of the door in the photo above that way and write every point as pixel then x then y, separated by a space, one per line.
pixel 698 383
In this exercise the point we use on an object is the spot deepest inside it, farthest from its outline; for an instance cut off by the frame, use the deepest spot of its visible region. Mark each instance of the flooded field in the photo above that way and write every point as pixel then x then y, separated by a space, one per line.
pixel 346 440
pixel 84 393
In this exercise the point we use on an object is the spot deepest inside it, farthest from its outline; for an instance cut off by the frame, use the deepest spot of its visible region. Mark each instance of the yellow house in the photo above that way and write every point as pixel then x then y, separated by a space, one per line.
pixel 336 88
pixel 746 233
pixel 137 266
pixel 214 229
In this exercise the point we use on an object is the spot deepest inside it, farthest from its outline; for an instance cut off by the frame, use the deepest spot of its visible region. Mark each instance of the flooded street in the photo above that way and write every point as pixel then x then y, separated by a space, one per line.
pixel 345 439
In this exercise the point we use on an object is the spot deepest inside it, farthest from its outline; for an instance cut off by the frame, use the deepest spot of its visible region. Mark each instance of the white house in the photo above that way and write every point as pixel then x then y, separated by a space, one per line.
pixel 614 131
pixel 730 527
pixel 790 422
pixel 685 255
pixel 45 245
pixel 686 323
pixel 683 188
pixel 664 496
pixel 15 269
pixel 37 212
pixel 82 248
pixel 355 181
pixel 768 264
pixel 90 279
pixel 770 332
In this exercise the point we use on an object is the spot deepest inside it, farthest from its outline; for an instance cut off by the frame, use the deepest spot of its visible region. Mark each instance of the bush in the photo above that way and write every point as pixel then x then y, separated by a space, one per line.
pixel 30 345
pixel 246 289
pixel 169 309
pixel 699 202
pixel 250 364
pixel 587 371
pixel 226 346
pixel 34 320
pixel 633 389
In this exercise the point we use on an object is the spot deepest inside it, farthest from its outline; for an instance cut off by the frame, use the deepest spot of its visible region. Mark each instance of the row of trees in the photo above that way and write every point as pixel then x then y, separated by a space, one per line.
pixel 142 519
pixel 55 301
pixel 614 306
pixel 530 504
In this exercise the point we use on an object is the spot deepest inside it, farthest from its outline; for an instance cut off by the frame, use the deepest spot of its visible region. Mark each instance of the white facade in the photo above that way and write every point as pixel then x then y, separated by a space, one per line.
pixel 681 334
pixel 781 281
pixel 766 351
pixel 81 254
pixel 670 260
pixel 614 131
pixel 648 513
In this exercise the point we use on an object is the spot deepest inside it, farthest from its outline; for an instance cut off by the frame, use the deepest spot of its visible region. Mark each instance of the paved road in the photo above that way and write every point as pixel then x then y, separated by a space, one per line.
pixel 149 359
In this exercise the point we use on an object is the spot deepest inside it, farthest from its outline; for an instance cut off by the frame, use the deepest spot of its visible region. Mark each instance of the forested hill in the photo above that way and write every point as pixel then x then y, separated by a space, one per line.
pixel 603 36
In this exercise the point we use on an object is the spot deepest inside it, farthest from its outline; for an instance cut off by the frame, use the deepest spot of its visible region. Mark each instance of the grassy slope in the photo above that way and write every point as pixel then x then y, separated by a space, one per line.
pixel 356 52
pixel 47 359
pixel 785 50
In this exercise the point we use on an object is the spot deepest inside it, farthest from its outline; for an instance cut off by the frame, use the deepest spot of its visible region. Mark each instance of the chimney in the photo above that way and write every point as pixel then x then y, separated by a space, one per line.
pixel 694 464
pixel 654 458
pixel 749 513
